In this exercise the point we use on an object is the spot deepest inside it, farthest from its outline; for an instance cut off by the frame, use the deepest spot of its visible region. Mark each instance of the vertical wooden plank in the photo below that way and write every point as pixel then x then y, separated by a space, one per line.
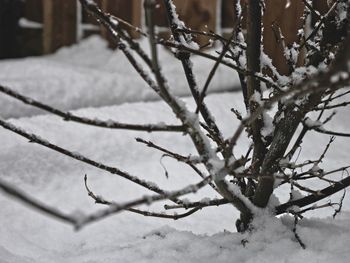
pixel 159 17
pixel 60 28
pixel 119 8
pixel 90 26
pixel 289 20
pixel 198 15
pixel 136 16
pixel 128 10
pixel 228 16
pixel 87 18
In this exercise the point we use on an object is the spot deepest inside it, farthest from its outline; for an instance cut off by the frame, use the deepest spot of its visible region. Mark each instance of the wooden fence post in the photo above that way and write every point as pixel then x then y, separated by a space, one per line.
pixel 60 24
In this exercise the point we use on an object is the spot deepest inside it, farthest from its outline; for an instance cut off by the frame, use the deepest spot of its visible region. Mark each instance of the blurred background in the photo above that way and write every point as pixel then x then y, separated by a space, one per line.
pixel 36 27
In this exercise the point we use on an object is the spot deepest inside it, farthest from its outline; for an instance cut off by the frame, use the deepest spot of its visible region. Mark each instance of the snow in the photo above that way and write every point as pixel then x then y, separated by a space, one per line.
pixel 207 236
pixel 342 13
pixel 91 75
pixel 312 123
pixel 340 76
pixel 25 23
pixel 268 128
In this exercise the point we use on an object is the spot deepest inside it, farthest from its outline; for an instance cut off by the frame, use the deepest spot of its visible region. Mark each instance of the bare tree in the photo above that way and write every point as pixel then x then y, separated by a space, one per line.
pixel 314 85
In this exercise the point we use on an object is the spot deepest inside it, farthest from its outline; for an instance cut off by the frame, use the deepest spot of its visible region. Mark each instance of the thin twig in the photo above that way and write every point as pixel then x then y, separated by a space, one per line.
pixel 184 57
pixel 36 204
pixel 77 156
pixel 100 200
pixel 310 199
pixel 320 23
pixel 67 116
pixel 212 72
pixel 187 160
pixel 116 208
pixel 296 235
pixel 333 133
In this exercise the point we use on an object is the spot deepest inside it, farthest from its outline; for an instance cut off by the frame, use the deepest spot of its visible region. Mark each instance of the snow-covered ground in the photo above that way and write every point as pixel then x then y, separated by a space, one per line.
pixel 206 236
pixel 89 74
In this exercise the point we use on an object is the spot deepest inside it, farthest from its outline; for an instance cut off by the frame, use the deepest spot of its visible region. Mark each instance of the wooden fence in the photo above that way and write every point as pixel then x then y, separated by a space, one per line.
pixel 64 23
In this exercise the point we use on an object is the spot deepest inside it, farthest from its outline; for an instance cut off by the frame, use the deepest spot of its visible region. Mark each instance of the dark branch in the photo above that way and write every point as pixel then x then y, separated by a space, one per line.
pixel 67 116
